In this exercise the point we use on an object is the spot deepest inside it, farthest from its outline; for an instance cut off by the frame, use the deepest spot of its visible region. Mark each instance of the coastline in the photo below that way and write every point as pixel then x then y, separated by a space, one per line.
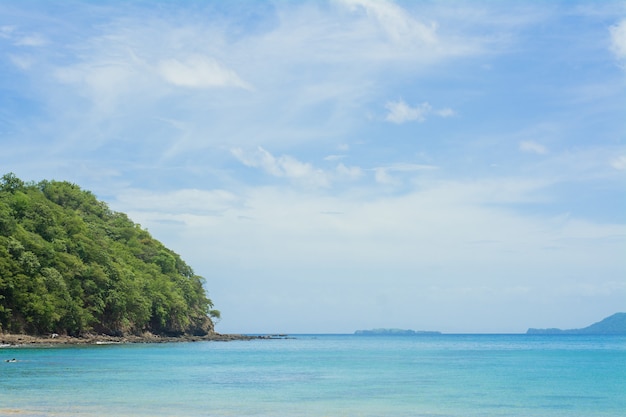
pixel 17 340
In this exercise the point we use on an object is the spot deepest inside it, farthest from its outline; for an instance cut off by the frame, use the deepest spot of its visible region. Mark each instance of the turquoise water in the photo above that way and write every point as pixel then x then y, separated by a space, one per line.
pixel 323 375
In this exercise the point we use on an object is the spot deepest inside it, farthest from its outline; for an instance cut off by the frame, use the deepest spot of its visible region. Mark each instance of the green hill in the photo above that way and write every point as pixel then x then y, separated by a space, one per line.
pixel 70 265
pixel 612 325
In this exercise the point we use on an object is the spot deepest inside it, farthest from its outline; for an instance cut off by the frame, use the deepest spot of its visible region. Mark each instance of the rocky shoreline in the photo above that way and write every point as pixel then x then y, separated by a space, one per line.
pixel 14 340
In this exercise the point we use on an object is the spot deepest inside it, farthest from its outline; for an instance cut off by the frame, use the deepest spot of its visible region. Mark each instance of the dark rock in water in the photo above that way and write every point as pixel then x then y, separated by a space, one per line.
pixel 612 325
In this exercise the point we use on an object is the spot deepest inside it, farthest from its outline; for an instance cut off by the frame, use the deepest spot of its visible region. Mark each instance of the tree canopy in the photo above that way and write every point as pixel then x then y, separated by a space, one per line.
pixel 70 265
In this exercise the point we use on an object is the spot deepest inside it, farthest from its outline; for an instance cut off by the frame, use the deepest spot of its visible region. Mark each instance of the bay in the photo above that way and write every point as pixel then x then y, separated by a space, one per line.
pixel 323 375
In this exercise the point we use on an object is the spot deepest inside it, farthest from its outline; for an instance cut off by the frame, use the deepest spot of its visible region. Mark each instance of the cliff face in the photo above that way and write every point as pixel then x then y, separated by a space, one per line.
pixel 612 325
pixel 69 265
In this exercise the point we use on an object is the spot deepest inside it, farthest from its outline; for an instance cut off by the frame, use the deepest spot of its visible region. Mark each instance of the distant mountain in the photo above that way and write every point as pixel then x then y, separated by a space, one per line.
pixel 612 325
pixel 393 332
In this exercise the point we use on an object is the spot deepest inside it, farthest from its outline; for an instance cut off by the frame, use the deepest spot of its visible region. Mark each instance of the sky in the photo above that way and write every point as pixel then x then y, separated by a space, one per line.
pixel 334 165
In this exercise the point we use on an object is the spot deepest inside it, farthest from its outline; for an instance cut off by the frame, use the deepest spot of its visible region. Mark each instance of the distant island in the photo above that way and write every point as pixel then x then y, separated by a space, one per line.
pixel 394 332
pixel 612 325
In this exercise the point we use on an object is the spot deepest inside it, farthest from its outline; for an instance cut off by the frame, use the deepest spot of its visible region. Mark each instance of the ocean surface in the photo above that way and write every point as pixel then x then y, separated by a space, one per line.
pixel 323 375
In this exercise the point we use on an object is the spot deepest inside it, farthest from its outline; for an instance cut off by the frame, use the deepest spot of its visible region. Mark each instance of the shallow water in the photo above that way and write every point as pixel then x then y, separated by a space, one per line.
pixel 323 375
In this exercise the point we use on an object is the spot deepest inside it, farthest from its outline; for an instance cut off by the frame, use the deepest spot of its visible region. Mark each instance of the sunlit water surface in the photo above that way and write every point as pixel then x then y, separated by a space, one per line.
pixel 323 375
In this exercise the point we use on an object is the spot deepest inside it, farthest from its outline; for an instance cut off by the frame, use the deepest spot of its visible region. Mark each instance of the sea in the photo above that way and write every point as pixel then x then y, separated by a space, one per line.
pixel 323 375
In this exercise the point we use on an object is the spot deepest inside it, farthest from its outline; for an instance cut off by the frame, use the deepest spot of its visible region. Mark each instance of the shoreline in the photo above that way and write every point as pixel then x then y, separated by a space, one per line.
pixel 8 340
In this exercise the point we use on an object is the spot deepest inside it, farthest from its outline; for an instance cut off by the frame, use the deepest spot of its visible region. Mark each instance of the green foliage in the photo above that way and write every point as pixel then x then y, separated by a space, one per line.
pixel 70 265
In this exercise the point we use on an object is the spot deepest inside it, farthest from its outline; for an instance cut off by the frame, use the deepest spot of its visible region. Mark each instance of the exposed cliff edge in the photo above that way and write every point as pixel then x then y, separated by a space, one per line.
pixel 612 325
pixel 394 332
pixel 70 266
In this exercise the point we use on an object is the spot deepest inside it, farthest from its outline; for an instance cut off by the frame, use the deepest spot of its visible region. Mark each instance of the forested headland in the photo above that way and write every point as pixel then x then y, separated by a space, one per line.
pixel 70 265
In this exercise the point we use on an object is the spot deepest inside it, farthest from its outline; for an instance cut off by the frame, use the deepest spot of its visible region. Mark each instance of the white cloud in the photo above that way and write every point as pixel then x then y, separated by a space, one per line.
pixel 23 62
pixel 400 112
pixel 313 69
pixel 394 20
pixel 486 191
pixel 406 167
pixel 6 31
pixel 259 159
pixel 618 40
pixel 350 173
pixel 283 166
pixel 200 72
pixel 31 40
pixel 619 163
pixel 11 33
pixel 104 83
pixel 383 175
pixel 447 112
pixel 298 170
pixel 286 166
pixel 334 157
pixel 179 202
pixel 160 98
pixel 533 147
pixel 590 163
pixel 277 237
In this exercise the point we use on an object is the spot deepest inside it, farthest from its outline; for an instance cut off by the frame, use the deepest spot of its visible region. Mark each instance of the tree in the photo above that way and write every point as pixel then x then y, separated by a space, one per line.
pixel 11 183
pixel 68 264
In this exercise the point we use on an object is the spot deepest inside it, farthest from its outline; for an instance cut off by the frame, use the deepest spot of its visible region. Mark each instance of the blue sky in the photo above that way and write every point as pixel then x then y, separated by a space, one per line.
pixel 337 165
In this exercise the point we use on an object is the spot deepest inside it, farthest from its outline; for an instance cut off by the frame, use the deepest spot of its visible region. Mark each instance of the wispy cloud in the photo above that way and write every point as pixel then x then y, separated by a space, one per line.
pixel 412 241
pixel 23 62
pixel 385 174
pixel 446 112
pixel 282 166
pixel 619 163
pixel 288 167
pixel 533 147
pixel 350 173
pixel 400 112
pixel 199 71
pixel 179 202
pixel 394 21
pixel 31 40
pixel 334 157
pixel 19 38
pixel 309 58
pixel 306 139
pixel 618 40
pixel 6 31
